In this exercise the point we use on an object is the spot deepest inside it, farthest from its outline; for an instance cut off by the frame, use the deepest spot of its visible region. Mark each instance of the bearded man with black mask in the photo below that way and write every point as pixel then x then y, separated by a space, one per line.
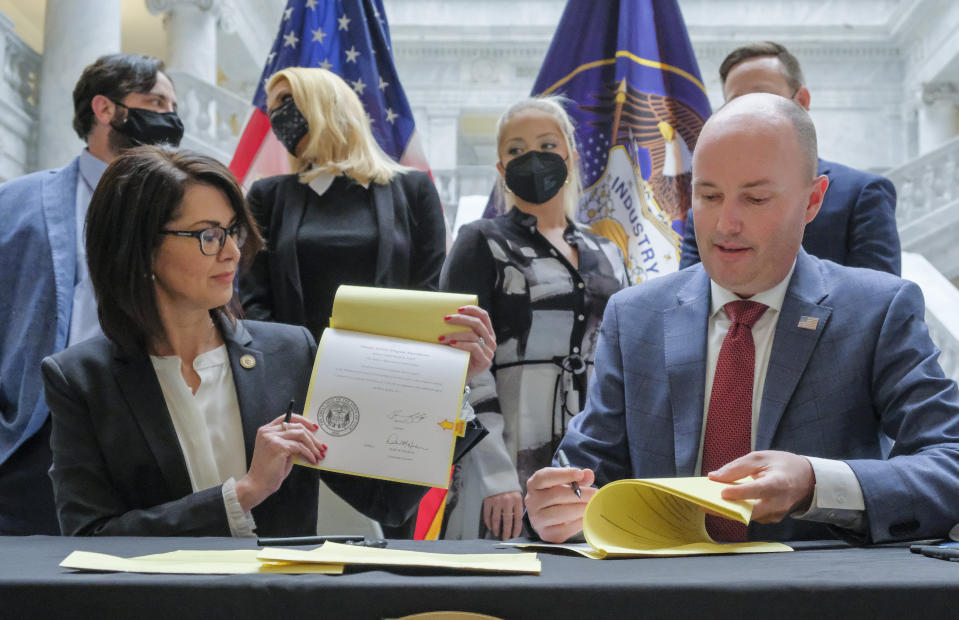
pixel 545 281
pixel 121 100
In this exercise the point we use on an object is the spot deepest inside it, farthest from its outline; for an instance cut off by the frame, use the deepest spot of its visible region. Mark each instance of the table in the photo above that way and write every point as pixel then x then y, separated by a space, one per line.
pixel 885 582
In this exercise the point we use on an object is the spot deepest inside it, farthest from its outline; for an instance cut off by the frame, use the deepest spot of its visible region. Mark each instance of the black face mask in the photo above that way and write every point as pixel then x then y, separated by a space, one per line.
pixel 536 176
pixel 144 126
pixel 289 125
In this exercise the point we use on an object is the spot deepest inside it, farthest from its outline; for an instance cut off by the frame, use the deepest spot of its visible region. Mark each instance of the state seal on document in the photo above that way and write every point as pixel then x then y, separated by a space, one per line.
pixel 338 416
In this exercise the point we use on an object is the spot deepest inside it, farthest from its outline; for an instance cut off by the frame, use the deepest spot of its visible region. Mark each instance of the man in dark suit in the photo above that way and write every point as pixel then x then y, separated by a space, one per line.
pixel 856 225
pixel 47 301
pixel 766 362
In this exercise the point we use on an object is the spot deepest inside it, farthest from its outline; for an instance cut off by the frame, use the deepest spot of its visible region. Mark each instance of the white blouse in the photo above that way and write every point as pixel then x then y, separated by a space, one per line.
pixel 208 427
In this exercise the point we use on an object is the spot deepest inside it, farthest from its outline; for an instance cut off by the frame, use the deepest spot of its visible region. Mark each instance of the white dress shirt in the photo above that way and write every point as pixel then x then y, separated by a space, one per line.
pixel 208 427
pixel 837 496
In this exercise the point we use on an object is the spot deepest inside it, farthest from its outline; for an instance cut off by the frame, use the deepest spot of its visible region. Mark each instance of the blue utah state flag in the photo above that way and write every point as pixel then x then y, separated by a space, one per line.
pixel 638 105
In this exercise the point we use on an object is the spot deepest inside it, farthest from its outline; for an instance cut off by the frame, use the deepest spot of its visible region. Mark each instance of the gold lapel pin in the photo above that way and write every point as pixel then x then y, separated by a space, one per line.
pixel 248 361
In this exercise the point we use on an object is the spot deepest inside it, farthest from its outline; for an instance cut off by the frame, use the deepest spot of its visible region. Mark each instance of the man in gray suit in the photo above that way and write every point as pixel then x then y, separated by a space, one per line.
pixel 121 100
pixel 766 362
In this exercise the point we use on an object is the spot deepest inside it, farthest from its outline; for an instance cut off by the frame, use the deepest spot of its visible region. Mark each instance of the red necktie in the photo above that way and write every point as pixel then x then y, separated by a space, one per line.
pixel 729 421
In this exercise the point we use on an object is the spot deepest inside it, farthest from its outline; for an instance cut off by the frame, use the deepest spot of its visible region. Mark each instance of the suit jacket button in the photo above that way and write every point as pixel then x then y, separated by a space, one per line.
pixel 248 361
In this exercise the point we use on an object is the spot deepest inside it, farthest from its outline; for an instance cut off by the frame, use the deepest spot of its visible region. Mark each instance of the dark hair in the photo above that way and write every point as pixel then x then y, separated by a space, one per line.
pixel 114 76
pixel 140 192
pixel 791 69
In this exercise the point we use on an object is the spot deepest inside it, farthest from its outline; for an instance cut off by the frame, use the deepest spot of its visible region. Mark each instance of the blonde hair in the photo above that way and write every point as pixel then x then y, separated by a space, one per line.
pixel 340 140
pixel 552 106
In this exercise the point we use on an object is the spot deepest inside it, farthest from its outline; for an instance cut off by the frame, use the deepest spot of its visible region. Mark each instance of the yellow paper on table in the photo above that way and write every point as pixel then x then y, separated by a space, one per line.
pixel 356 555
pixel 384 392
pixel 187 562
pixel 660 517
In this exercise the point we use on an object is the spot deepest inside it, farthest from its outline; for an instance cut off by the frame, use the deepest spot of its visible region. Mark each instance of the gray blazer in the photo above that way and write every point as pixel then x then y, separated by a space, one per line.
pixel 38 251
pixel 117 464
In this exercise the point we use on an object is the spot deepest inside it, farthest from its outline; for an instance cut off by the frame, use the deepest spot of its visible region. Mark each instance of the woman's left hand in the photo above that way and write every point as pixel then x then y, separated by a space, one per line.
pixel 479 341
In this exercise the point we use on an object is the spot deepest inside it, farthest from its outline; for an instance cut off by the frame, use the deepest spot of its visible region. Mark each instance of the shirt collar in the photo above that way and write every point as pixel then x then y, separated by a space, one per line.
pixel 772 298
pixel 208 359
pixel 528 220
pixel 91 168
pixel 324 180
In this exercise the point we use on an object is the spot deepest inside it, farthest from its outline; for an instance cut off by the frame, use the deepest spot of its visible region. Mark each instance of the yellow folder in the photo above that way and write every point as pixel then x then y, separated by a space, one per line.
pixel 660 517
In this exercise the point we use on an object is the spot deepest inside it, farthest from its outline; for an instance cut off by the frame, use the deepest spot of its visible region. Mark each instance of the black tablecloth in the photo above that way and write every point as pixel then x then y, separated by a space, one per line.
pixel 813 582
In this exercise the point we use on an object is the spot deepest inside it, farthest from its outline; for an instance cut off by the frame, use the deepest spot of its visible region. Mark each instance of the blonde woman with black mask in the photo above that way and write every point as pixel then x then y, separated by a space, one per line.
pixel 545 280
pixel 347 215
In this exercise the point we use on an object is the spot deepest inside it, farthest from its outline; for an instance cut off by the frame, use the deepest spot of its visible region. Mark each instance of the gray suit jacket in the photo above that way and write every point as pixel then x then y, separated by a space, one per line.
pixel 117 464
pixel 38 254
pixel 867 369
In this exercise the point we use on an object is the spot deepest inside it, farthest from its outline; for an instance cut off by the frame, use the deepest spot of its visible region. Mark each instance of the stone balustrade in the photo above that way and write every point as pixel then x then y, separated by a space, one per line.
pixel 927 208
pixel 20 68
pixel 452 184
pixel 212 116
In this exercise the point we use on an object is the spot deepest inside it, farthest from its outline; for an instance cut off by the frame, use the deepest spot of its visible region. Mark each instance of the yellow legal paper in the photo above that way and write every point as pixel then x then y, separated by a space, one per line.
pixel 660 517
pixel 356 555
pixel 187 562
pixel 385 393
pixel 400 313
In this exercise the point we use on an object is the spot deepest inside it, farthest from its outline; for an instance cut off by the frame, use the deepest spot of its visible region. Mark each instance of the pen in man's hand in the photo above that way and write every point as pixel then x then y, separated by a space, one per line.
pixel 564 462
pixel 289 411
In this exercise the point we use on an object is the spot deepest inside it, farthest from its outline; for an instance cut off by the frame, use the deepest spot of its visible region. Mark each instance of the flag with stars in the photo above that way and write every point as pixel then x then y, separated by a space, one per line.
pixel 638 103
pixel 352 39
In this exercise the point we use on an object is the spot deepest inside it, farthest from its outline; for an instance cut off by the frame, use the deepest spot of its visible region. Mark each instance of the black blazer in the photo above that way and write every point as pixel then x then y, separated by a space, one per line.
pixel 117 464
pixel 412 242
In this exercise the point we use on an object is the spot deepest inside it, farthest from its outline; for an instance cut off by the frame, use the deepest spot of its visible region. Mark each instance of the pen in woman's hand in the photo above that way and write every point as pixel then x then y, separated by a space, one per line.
pixel 289 412
pixel 564 462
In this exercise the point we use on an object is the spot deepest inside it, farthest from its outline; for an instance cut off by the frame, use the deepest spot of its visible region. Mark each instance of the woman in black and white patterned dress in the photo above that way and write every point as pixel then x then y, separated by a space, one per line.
pixel 545 281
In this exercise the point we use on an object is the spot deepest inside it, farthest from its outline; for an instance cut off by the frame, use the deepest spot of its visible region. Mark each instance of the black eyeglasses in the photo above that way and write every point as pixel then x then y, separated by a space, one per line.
pixel 212 239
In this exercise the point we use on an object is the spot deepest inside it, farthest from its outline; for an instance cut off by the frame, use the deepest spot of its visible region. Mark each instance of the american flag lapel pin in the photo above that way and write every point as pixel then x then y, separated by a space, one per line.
pixel 808 322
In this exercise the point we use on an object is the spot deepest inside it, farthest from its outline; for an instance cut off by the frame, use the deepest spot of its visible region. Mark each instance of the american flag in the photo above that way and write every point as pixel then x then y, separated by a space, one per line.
pixel 352 39
pixel 808 322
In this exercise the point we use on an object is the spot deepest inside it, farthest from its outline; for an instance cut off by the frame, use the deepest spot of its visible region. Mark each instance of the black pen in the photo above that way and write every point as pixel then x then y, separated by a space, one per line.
pixel 920 547
pixel 943 553
pixel 289 411
pixel 309 540
pixel 564 462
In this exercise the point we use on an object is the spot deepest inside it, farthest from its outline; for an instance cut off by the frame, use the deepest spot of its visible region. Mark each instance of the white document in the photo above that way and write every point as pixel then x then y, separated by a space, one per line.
pixel 386 407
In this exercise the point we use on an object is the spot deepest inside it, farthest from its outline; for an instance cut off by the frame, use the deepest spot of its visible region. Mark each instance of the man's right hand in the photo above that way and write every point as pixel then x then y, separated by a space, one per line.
pixel 554 510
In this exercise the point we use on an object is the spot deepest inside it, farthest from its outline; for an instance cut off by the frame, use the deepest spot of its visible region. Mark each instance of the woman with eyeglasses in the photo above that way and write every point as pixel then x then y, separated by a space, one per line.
pixel 545 281
pixel 347 215
pixel 172 424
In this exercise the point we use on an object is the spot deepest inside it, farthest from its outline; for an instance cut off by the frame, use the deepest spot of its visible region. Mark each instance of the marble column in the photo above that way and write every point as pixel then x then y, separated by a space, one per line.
pixel 938 115
pixel 443 131
pixel 191 35
pixel 441 147
pixel 75 33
